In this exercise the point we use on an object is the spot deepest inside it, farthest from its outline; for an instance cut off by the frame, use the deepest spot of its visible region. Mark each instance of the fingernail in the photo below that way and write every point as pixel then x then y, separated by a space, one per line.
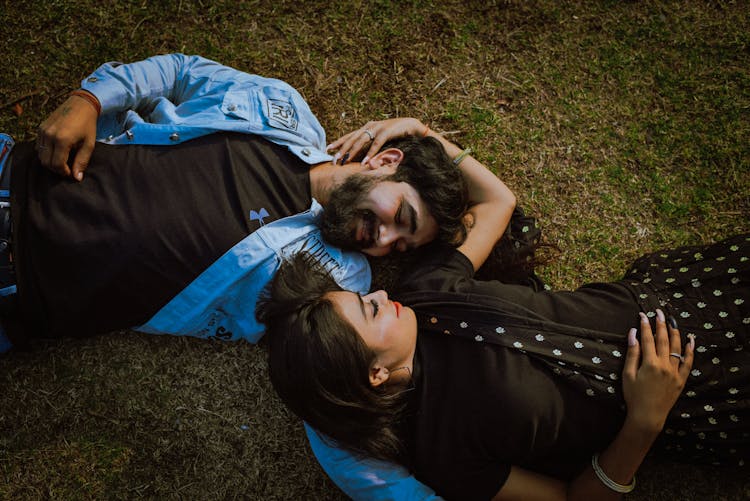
pixel 691 337
pixel 659 315
pixel 631 337
pixel 644 318
pixel 329 146
pixel 365 160
pixel 346 157
pixel 672 321
pixel 335 158
pixel 79 175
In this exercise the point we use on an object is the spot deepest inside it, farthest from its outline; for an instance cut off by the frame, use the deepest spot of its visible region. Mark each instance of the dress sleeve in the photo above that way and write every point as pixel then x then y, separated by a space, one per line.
pixel 438 270
pixel 367 479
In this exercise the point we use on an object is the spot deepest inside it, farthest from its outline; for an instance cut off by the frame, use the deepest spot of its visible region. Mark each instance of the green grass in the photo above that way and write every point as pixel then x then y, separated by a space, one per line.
pixel 623 126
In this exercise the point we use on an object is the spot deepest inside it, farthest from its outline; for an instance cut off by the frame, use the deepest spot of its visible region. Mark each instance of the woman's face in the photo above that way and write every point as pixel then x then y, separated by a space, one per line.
pixel 387 328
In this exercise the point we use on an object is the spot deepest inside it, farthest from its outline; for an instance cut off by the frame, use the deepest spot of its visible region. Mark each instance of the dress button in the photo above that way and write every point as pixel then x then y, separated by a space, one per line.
pixel 231 107
pixel 174 136
pixel 129 134
pixel 92 79
pixel 306 152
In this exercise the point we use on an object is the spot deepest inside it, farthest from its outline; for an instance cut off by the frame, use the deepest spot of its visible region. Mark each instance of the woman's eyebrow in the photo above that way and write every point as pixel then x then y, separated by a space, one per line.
pixel 412 217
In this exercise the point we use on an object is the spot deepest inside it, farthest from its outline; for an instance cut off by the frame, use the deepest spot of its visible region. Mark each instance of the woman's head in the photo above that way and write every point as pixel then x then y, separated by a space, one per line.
pixel 320 365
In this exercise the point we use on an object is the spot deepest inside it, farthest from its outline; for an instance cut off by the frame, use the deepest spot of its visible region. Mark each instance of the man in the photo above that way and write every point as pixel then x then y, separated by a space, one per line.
pixel 182 239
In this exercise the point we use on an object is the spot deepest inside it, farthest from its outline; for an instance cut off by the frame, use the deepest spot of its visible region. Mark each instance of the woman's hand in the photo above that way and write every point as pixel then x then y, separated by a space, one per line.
pixel 374 134
pixel 71 125
pixel 652 386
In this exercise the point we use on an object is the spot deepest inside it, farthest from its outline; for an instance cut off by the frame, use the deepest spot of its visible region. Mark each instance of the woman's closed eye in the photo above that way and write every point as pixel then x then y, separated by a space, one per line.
pixel 375 307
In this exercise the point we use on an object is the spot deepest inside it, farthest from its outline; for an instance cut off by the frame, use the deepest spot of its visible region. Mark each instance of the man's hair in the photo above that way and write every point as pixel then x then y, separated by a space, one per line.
pixel 319 365
pixel 428 169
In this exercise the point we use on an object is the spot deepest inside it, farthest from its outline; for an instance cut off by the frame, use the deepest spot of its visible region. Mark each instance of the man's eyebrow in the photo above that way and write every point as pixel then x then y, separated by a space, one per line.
pixel 412 217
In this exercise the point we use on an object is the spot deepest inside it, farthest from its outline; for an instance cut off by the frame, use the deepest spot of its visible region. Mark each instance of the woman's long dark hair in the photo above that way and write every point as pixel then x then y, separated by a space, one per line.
pixel 319 365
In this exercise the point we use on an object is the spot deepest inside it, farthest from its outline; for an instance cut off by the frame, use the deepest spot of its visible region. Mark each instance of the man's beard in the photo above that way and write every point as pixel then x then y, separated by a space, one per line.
pixel 341 215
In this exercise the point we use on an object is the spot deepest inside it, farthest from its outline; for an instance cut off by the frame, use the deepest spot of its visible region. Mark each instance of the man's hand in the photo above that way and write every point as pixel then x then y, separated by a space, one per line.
pixel 70 126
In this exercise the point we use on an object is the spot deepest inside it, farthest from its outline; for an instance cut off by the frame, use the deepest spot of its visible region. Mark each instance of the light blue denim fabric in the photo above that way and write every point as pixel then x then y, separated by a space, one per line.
pixel 173 98
pixel 221 301
pixel 367 479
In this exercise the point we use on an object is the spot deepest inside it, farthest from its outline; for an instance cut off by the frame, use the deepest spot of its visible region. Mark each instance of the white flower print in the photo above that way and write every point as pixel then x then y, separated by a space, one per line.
pixel 560 362
pixel 731 270
pixel 708 325
pixel 729 334
pixel 702 436
pixel 650 314
pixel 685 415
pixel 723 314
pixel 556 352
pixel 698 255
pixel 739 301
pixel 578 344
pixel 647 280
pixel 616 353
pixel 701 349
pixel 433 320
pixel 733 391
pixel 696 372
pixel 712 420
pixel 525 229
pixel 695 283
pixel 539 338
pixel 463 325
pixel 717 293
pixel 746 320
pixel 669 280
pixel 684 314
pixel 690 393
pixel 598 377
pixel 708 408
pixel 734 418
pixel 590 392
pixel 610 389
pixel 478 337
pixel 723 434
pixel 715 361
pixel 643 296
pixel 743 259
pixel 500 330
pixel 683 269
pixel 734 248
pixel 596 360
pixel 613 376
pixel 720 258
pixel 735 280
pixel 707 269
pixel 677 295
pixel 734 369
pixel 701 305
pixel 518 344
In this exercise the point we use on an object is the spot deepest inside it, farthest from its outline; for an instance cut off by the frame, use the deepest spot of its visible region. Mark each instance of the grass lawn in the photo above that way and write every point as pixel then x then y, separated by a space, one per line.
pixel 623 126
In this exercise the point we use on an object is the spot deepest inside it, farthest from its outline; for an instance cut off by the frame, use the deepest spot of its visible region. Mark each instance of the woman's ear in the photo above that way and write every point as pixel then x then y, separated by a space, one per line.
pixel 378 375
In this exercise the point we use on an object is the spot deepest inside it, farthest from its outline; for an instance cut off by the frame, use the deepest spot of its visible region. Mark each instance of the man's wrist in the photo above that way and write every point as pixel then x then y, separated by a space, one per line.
pixel 90 98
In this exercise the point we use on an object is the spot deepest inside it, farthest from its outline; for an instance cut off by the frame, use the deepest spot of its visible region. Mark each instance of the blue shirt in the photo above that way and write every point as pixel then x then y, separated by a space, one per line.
pixel 173 98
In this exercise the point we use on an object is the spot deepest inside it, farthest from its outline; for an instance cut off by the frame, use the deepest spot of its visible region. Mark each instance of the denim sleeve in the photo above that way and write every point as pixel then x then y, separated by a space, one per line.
pixel 367 479
pixel 133 86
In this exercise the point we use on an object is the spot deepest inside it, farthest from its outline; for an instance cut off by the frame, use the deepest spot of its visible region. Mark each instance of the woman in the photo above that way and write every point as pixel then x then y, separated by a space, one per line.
pixel 489 390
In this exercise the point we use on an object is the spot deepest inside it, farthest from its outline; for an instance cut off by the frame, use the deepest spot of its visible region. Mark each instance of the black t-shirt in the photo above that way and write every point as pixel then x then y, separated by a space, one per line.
pixel 107 253
pixel 484 407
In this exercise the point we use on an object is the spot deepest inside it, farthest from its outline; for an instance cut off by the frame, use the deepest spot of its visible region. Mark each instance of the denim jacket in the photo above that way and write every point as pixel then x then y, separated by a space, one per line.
pixel 173 98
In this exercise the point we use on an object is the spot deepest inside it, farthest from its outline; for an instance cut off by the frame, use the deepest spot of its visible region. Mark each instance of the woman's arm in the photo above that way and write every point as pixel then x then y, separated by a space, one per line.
pixel 491 201
pixel 652 381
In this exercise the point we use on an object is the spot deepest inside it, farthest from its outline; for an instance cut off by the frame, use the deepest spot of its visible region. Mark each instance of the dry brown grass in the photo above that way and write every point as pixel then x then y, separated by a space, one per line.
pixel 622 125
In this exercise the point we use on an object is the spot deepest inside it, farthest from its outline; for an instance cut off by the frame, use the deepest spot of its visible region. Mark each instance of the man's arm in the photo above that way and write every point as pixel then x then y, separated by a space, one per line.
pixel 117 87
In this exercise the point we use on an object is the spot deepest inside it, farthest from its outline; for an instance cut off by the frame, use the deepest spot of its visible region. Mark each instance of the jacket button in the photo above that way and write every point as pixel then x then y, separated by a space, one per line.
pixel 306 152
pixel 129 134
pixel 231 107
pixel 92 79
pixel 174 136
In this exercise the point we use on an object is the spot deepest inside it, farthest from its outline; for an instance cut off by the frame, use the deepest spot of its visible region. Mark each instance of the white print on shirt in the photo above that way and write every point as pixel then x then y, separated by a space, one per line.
pixel 258 216
pixel 281 114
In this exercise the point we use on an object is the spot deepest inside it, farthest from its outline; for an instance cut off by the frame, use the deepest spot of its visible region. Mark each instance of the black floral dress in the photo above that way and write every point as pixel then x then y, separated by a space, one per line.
pixel 578 340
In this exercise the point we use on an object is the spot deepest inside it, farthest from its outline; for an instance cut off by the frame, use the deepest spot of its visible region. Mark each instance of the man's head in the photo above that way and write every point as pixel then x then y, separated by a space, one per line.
pixel 422 197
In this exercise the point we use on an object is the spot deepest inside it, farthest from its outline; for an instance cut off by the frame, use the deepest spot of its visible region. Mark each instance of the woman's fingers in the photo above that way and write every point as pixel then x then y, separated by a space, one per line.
pixel 632 357
pixel 688 357
pixel 662 336
pixel 648 344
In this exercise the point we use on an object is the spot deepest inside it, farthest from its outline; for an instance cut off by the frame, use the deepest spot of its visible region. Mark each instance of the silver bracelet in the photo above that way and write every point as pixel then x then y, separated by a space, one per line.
pixel 611 484
pixel 461 156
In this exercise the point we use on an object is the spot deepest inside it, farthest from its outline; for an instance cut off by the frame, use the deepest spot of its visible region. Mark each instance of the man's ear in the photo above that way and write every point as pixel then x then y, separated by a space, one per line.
pixel 378 375
pixel 385 162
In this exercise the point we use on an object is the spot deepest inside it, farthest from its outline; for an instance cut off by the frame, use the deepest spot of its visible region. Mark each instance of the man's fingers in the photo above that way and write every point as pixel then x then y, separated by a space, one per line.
pixel 81 161
pixel 58 160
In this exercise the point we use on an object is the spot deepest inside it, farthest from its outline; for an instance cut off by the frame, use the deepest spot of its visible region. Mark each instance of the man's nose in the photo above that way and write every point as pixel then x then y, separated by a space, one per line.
pixel 388 235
